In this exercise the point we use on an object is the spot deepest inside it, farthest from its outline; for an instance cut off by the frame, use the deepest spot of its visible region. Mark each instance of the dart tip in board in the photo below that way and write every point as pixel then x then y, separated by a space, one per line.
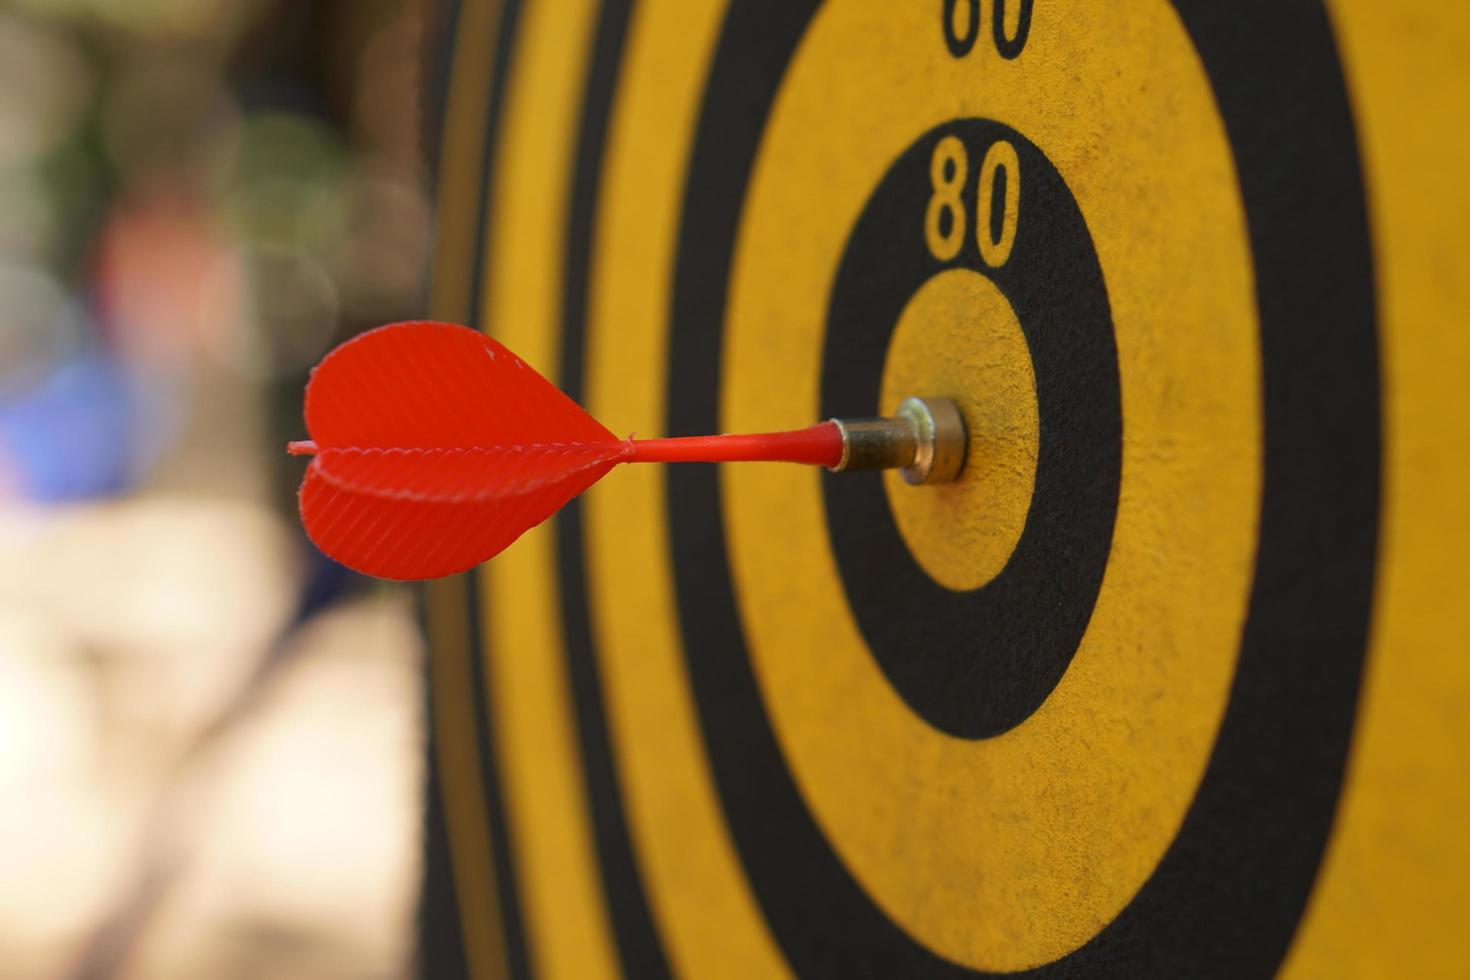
pixel 301 447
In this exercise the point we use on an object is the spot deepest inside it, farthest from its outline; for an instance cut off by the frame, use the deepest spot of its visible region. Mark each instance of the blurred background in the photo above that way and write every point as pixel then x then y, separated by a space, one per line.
pixel 210 736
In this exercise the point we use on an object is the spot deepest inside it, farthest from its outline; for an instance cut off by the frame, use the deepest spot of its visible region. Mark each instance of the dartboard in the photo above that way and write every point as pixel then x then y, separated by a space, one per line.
pixel 1172 681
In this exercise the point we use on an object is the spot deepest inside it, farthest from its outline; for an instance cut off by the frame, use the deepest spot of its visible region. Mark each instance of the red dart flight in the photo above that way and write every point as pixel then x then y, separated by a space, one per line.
pixel 434 448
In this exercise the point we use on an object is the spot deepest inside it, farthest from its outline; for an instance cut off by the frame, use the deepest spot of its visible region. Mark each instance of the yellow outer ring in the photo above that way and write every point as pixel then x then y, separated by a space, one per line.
pixel 1393 893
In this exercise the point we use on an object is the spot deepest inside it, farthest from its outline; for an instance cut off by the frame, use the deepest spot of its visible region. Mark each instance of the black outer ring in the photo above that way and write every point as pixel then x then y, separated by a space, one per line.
pixel 977 663
pixel 1226 898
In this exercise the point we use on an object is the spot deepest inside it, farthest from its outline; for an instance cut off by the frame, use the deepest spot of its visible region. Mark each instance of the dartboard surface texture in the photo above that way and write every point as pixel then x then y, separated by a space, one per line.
pixel 1172 682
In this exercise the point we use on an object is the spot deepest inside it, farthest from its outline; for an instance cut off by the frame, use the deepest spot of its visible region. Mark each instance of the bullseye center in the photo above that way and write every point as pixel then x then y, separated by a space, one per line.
pixel 959 338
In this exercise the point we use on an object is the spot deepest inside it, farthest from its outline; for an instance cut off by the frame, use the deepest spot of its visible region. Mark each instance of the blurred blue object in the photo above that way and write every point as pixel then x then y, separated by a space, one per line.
pixel 82 432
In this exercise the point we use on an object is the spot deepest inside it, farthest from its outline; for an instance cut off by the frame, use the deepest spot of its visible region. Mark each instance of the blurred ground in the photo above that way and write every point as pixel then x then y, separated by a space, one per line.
pixel 210 737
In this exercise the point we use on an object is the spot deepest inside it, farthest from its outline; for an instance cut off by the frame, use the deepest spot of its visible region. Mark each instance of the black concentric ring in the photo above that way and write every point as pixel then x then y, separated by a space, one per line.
pixel 977 663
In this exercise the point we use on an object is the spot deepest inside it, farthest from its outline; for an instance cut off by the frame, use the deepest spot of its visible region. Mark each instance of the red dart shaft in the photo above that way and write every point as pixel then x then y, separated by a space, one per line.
pixel 818 445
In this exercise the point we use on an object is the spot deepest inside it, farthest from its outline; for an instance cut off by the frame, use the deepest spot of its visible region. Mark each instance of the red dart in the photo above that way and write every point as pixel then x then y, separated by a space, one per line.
pixel 434 447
